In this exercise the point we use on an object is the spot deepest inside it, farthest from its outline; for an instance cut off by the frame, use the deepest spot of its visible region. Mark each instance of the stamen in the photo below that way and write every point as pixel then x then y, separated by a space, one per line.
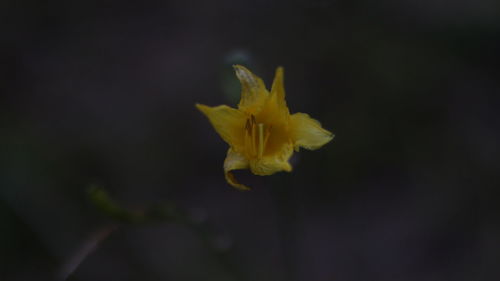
pixel 246 136
pixel 268 133
pixel 261 139
pixel 254 148
pixel 247 125
pixel 247 133
pixel 256 137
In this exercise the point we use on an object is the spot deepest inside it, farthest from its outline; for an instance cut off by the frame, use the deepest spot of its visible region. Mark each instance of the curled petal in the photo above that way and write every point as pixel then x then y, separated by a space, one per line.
pixel 271 164
pixel 307 132
pixel 234 161
pixel 253 90
pixel 227 121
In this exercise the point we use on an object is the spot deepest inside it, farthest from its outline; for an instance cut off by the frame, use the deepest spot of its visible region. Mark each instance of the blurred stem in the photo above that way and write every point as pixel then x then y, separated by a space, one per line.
pixel 284 200
pixel 87 248
pixel 167 212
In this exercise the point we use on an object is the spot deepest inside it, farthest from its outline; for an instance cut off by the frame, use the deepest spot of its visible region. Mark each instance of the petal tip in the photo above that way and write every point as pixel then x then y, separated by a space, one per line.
pixel 240 68
pixel 330 137
pixel 234 183
pixel 201 107
pixel 205 109
pixel 280 71
pixel 244 74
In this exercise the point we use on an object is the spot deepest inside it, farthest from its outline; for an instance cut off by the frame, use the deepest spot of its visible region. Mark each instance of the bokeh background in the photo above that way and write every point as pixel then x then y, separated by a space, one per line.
pixel 104 92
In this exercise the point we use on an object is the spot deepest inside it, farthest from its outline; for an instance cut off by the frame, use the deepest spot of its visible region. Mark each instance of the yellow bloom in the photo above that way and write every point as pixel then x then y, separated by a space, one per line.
pixel 261 133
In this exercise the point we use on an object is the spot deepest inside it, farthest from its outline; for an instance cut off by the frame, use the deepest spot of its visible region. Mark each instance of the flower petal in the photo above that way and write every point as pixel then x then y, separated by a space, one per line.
pixel 253 90
pixel 275 111
pixel 278 89
pixel 307 132
pixel 234 161
pixel 271 164
pixel 228 122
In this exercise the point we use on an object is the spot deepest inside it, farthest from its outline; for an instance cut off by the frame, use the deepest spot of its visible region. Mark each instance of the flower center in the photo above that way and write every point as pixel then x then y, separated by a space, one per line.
pixel 256 137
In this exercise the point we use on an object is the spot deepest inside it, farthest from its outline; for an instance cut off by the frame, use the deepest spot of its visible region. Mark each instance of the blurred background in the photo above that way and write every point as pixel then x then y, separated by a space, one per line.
pixel 104 92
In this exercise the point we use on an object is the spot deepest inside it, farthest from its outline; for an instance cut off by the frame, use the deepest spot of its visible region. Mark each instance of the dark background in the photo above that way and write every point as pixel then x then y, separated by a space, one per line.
pixel 104 93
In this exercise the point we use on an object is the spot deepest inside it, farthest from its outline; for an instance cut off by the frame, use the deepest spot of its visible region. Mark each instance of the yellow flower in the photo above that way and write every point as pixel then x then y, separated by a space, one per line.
pixel 261 133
